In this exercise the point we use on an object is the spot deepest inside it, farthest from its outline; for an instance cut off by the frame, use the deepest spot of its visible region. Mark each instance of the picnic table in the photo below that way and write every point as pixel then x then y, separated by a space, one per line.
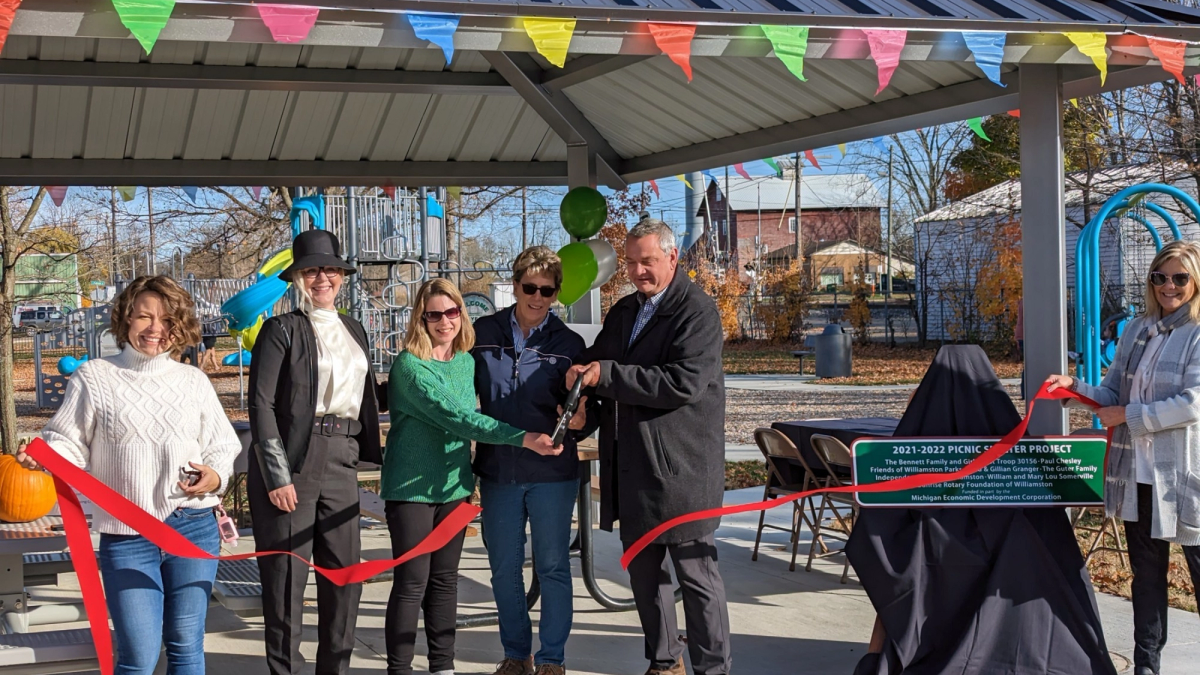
pixel 845 430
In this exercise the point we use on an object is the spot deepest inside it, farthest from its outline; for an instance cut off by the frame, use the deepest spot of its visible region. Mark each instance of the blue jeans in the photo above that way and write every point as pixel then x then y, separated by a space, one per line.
pixel 547 507
pixel 154 597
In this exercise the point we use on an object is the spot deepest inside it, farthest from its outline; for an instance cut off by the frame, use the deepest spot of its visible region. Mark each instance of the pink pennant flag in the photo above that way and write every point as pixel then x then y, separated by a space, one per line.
pixel 812 159
pixel 1196 79
pixel 1170 54
pixel 257 192
pixel 675 40
pixel 390 191
pixel 741 171
pixel 57 193
pixel 886 46
pixel 654 186
pixel 288 23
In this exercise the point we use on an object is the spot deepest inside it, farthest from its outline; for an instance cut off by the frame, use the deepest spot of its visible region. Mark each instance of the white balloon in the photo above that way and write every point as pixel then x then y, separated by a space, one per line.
pixel 606 260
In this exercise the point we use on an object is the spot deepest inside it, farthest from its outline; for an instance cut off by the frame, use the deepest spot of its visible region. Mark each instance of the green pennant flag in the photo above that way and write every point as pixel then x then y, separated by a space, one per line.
pixel 144 18
pixel 976 124
pixel 770 161
pixel 790 44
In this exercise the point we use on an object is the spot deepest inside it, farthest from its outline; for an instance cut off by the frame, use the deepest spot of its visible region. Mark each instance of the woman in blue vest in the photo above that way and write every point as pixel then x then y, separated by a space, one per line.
pixel 522 354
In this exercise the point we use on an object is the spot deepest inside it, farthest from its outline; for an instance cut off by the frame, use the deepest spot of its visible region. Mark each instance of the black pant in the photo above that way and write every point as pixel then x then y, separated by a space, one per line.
pixel 1149 559
pixel 324 527
pixel 704 609
pixel 428 582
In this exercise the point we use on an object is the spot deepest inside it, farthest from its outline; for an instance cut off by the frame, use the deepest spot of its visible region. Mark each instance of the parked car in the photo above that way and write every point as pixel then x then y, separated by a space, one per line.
pixel 38 316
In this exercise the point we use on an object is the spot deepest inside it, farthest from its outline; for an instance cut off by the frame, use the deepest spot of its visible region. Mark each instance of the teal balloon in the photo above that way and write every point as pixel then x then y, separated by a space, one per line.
pixel 579 270
pixel 583 212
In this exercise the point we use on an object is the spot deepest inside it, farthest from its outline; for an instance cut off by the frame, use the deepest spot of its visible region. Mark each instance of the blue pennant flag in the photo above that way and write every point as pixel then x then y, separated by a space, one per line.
pixel 988 49
pixel 190 191
pixel 437 28
pixel 709 173
pixel 880 145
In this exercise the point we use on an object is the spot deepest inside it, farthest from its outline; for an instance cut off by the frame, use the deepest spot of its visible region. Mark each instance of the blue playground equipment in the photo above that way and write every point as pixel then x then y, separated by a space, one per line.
pixel 246 310
pixel 1095 353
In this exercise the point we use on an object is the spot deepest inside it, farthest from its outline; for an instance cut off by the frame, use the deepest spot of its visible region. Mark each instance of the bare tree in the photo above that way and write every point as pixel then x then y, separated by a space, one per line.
pixel 17 216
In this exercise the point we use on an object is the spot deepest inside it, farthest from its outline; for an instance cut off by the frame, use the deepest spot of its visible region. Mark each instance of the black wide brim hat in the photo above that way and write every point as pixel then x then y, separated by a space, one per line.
pixel 316 248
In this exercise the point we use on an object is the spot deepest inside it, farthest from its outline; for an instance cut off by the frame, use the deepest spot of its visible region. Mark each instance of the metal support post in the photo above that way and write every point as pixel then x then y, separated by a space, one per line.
pixel 352 251
pixel 1043 242
pixel 423 228
pixel 581 172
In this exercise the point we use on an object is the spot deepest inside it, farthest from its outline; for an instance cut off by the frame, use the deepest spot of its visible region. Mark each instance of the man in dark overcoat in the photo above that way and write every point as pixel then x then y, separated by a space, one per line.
pixel 660 398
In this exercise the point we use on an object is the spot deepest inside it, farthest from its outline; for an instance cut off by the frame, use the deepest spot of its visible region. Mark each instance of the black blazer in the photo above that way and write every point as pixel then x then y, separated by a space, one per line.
pixel 666 455
pixel 283 397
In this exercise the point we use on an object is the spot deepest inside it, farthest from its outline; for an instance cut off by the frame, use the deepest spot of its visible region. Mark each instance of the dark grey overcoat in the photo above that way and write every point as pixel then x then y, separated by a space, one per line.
pixel 661 407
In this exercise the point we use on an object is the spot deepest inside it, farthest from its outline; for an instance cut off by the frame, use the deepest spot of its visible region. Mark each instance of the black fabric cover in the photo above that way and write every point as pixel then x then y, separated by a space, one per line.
pixel 991 591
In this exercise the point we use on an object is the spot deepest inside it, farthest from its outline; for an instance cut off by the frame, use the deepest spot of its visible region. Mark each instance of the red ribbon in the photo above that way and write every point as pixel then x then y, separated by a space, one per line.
pixel 68 476
pixel 906 483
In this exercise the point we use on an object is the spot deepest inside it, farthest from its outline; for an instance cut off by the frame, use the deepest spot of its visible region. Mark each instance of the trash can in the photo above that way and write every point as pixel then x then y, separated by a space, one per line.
pixel 832 349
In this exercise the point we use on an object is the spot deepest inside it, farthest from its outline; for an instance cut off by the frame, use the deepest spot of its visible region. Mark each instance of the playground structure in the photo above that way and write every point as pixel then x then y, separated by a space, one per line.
pixel 387 239
pixel 1096 335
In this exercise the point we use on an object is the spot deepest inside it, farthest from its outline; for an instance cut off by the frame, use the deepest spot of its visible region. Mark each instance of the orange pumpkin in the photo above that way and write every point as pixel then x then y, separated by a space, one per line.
pixel 24 495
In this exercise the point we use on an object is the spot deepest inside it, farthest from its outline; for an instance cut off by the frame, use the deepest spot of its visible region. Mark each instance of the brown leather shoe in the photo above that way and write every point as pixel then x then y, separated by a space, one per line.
pixel 550 669
pixel 515 667
pixel 676 669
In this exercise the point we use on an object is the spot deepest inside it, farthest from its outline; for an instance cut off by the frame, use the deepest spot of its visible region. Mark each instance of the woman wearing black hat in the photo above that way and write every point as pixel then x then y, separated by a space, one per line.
pixel 313 417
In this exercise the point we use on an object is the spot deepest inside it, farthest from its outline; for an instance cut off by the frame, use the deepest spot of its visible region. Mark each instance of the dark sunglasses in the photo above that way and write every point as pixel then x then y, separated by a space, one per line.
pixel 1180 279
pixel 546 291
pixel 434 317
pixel 329 272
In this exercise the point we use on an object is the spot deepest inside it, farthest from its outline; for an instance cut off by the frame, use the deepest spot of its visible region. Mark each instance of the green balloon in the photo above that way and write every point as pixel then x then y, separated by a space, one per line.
pixel 583 212
pixel 579 269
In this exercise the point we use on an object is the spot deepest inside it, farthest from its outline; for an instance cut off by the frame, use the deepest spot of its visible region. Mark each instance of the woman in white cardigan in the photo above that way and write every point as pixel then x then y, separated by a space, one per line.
pixel 1151 400
pixel 154 430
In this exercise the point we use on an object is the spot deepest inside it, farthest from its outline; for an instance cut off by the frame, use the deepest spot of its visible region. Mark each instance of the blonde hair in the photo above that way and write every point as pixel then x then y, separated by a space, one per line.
pixel 416 340
pixel 181 311
pixel 538 260
pixel 1188 255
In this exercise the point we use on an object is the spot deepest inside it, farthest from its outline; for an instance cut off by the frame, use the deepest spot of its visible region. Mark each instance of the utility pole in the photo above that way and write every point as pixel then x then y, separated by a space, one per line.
pixel 112 238
pixel 887 294
pixel 799 249
pixel 728 214
pixel 150 262
pixel 524 222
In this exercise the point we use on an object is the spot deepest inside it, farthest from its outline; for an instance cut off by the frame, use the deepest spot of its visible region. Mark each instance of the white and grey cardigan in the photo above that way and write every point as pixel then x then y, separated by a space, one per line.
pixel 1172 421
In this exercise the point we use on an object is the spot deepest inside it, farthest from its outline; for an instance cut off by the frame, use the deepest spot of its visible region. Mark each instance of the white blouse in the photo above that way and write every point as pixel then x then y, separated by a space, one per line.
pixel 1141 392
pixel 342 367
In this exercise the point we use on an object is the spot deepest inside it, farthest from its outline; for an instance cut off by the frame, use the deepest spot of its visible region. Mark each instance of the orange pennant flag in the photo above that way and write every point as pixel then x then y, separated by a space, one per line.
pixel 1015 113
pixel 8 10
pixel 812 159
pixel 675 39
pixel 1170 54
pixel 654 186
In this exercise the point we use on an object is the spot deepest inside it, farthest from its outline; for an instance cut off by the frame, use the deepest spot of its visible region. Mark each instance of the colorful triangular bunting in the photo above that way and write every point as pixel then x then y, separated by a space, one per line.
pixel 988 49
pixel 675 40
pixel 57 193
pixel 551 37
pixel 976 124
pixel 741 171
pixel 190 191
pixel 256 190
pixel 654 186
pixel 812 159
pixel 1170 54
pixel 437 28
pixel 790 44
pixel 127 192
pixel 288 23
pixel 8 10
pixel 684 179
pixel 1092 45
pixel 842 149
pixel 886 46
pixel 144 18
pixel 770 161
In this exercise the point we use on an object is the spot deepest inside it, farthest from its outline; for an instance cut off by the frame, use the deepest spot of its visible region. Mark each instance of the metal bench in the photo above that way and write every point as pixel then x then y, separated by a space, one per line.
pixel 56 651
pixel 42 569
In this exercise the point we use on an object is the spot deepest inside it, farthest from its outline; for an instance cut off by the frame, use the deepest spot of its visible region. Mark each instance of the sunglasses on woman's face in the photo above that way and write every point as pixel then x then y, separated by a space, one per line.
pixel 329 272
pixel 434 317
pixel 1180 279
pixel 546 291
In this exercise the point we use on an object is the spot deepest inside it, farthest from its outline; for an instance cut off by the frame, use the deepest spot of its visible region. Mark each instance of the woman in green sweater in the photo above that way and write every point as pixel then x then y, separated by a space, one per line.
pixel 427 469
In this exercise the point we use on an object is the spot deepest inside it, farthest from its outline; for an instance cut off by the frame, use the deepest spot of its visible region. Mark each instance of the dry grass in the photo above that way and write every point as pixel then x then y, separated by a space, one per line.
pixel 750 473
pixel 874 364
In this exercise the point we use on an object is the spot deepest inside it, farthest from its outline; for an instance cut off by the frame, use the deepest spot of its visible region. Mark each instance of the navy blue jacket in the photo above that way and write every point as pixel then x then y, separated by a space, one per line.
pixel 525 395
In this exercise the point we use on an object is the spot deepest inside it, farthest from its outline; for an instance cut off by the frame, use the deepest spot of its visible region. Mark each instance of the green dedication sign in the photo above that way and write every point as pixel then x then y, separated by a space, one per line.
pixel 1060 471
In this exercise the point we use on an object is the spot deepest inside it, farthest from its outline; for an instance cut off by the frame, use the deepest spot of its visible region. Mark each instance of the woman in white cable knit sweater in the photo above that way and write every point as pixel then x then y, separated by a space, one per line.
pixel 154 430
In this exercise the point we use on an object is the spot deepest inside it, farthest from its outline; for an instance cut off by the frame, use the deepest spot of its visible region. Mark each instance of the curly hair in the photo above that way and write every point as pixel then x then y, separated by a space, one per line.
pixel 416 340
pixel 181 311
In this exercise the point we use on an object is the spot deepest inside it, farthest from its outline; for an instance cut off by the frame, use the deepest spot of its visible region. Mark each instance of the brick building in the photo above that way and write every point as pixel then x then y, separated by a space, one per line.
pixel 833 208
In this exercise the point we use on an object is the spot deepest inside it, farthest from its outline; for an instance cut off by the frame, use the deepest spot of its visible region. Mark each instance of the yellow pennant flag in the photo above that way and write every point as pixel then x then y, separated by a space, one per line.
pixel 1075 102
pixel 842 149
pixel 684 180
pixel 127 192
pixel 1092 46
pixel 551 37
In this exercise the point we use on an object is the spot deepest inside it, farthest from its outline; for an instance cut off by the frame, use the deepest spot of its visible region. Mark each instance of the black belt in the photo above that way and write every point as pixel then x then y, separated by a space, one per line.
pixel 332 425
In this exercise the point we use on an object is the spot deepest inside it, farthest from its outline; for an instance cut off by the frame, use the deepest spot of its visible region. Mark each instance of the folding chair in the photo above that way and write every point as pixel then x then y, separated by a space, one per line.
pixel 833 454
pixel 778 451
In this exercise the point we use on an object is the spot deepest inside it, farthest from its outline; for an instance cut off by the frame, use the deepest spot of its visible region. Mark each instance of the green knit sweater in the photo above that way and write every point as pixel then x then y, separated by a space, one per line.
pixel 432 405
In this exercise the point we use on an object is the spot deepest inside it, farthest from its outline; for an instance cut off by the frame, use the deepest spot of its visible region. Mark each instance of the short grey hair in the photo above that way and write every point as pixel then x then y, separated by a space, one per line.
pixel 652 226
